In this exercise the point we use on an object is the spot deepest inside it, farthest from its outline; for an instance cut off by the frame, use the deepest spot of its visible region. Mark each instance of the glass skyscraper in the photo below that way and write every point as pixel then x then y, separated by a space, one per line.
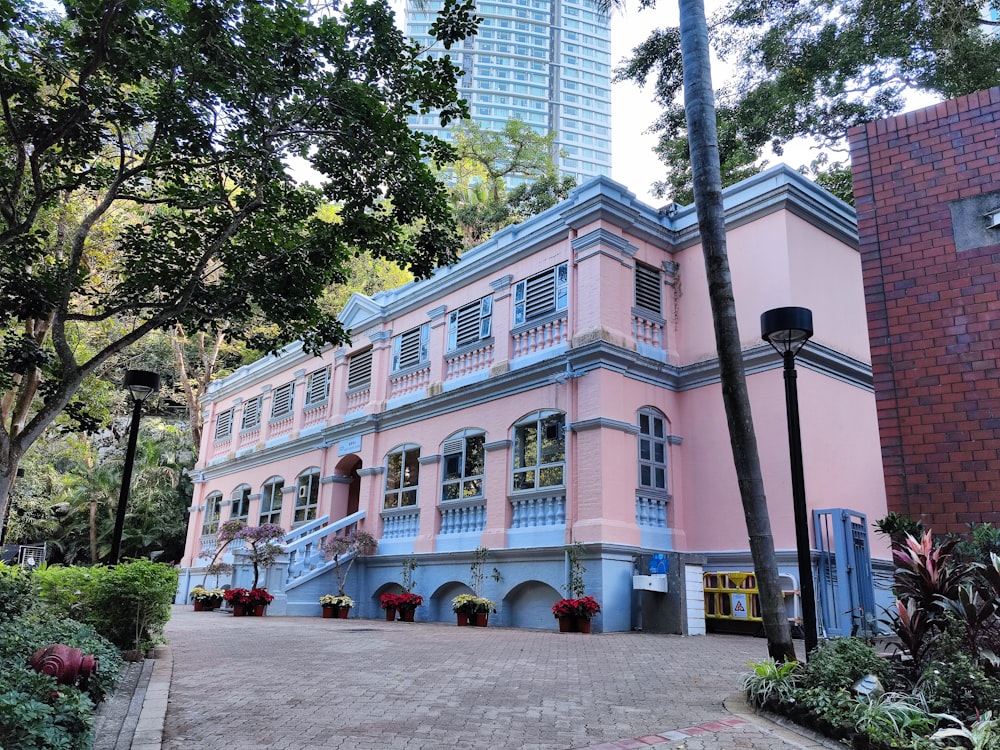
pixel 544 62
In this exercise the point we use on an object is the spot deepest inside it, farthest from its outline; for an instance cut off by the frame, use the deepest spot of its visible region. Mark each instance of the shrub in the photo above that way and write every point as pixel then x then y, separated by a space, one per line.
pixel 67 589
pixel 838 664
pixel 770 683
pixel 958 687
pixel 36 712
pixel 17 591
pixel 24 635
pixel 130 603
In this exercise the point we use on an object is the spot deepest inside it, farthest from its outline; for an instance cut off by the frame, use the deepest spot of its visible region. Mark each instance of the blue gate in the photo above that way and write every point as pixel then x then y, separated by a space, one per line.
pixel 845 587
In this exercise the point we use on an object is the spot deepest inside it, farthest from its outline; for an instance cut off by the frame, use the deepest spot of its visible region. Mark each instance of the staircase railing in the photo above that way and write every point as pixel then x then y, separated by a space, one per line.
pixel 304 547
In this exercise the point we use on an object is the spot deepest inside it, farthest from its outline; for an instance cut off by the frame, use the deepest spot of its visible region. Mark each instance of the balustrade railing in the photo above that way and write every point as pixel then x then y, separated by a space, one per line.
pixel 358 399
pixel 400 385
pixel 314 415
pixel 463 518
pixel 538 510
pixel 403 525
pixel 651 511
pixel 304 547
pixel 468 362
pixel 548 334
pixel 648 332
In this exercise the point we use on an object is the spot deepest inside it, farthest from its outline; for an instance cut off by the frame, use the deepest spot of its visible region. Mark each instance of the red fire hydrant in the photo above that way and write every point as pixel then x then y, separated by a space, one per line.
pixel 65 663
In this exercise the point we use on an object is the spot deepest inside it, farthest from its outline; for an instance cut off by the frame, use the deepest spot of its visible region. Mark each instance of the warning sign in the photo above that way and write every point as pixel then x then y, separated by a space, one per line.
pixel 740 605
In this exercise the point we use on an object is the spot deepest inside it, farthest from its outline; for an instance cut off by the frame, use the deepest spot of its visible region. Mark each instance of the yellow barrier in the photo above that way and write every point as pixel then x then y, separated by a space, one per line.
pixel 732 597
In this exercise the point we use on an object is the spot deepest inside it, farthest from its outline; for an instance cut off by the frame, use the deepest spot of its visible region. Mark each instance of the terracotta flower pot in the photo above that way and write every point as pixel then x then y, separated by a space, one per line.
pixel 259 610
pixel 482 619
pixel 583 624
pixel 238 610
pixel 462 618
pixel 199 605
pixel 329 612
pixel 390 614
pixel 342 612
pixel 567 624
pixel 406 615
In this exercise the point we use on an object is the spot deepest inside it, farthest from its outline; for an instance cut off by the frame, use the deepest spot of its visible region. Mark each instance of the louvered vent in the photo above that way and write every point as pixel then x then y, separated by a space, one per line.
pixel 359 372
pixel 647 288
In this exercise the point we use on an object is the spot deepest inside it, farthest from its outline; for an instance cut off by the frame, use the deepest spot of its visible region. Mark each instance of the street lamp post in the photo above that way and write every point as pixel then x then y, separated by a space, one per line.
pixel 141 385
pixel 787 329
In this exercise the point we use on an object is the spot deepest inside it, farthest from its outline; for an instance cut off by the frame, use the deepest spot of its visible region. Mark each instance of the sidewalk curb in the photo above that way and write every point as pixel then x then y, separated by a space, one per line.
pixel 792 733
pixel 149 728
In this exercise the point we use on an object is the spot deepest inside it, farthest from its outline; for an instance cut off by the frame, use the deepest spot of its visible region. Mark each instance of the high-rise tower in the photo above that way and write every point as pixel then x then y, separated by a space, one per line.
pixel 544 62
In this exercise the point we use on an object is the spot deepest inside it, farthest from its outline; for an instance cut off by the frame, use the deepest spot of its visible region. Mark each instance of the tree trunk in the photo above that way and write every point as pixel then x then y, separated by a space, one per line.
pixel 700 109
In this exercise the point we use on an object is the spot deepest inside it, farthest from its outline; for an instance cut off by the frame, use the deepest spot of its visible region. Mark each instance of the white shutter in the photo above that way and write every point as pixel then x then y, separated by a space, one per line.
pixel 317 386
pixel 224 424
pixel 359 370
pixel 281 402
pixel 251 413
pixel 647 288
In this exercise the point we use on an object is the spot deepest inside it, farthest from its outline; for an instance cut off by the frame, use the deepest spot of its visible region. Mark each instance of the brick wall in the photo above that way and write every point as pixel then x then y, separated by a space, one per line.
pixel 934 308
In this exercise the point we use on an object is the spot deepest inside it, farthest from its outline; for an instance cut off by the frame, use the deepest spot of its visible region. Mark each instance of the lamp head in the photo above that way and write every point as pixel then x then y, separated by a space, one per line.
pixel 141 384
pixel 786 328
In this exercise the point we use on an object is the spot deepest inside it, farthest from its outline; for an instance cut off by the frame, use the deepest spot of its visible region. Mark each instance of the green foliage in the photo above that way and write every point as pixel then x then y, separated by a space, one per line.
pixel 981 734
pixel 893 718
pixel 67 589
pixel 35 710
pixel 814 69
pixel 24 635
pixel 38 713
pixel 409 565
pixel 158 193
pixel 17 591
pixel 952 682
pixel 130 603
pixel 834 708
pixel 770 683
pixel 898 527
pixel 838 664
pixel 575 585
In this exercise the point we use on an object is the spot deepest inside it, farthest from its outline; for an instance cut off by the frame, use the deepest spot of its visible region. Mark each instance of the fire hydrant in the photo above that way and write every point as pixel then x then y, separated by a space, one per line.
pixel 65 663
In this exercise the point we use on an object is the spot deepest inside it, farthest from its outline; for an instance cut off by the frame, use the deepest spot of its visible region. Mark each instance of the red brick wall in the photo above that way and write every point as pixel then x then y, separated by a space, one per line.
pixel 933 312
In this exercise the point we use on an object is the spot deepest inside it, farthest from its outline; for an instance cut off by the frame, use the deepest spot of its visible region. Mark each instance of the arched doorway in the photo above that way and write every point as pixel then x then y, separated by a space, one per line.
pixel 346 487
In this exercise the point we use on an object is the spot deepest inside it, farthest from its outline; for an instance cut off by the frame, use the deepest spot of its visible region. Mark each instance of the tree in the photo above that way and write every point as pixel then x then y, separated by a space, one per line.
pixel 699 101
pixel 487 161
pixel 815 68
pixel 143 183
pixel 492 157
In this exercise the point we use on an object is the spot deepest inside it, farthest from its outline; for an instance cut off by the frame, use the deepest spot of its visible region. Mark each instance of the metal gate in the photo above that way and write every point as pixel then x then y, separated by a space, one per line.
pixel 845 587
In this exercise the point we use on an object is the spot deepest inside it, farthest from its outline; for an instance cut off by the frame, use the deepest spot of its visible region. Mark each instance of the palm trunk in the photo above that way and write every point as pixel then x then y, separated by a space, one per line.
pixel 700 109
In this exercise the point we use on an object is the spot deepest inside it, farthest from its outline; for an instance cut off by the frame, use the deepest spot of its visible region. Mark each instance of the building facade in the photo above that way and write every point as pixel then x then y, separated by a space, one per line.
pixel 558 384
pixel 544 62
pixel 927 185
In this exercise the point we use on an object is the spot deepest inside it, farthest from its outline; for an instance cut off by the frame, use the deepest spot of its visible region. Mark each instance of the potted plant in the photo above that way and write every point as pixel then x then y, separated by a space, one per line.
pixel 206 600
pixel 575 612
pixel 359 543
pixel 483 609
pixel 238 599
pixel 390 603
pixel 464 607
pixel 336 606
pixel 259 598
pixel 407 604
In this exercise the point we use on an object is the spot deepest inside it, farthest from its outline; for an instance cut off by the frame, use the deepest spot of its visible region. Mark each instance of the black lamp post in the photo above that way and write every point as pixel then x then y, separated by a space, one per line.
pixel 141 385
pixel 787 329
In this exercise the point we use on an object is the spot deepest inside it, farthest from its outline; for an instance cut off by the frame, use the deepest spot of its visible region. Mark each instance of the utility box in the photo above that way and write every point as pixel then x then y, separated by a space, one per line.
pixel 650 583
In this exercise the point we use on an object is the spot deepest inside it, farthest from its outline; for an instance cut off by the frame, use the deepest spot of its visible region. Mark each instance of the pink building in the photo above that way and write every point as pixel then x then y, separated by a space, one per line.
pixel 558 384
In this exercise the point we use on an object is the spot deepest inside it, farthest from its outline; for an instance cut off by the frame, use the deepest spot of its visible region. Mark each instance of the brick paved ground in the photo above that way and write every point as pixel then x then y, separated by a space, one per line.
pixel 287 683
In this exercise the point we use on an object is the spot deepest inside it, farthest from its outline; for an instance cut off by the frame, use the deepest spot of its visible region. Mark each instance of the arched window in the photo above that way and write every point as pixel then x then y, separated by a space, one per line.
pixel 306 496
pixel 270 501
pixel 210 521
pixel 240 509
pixel 539 451
pixel 652 450
pixel 463 465
pixel 402 472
